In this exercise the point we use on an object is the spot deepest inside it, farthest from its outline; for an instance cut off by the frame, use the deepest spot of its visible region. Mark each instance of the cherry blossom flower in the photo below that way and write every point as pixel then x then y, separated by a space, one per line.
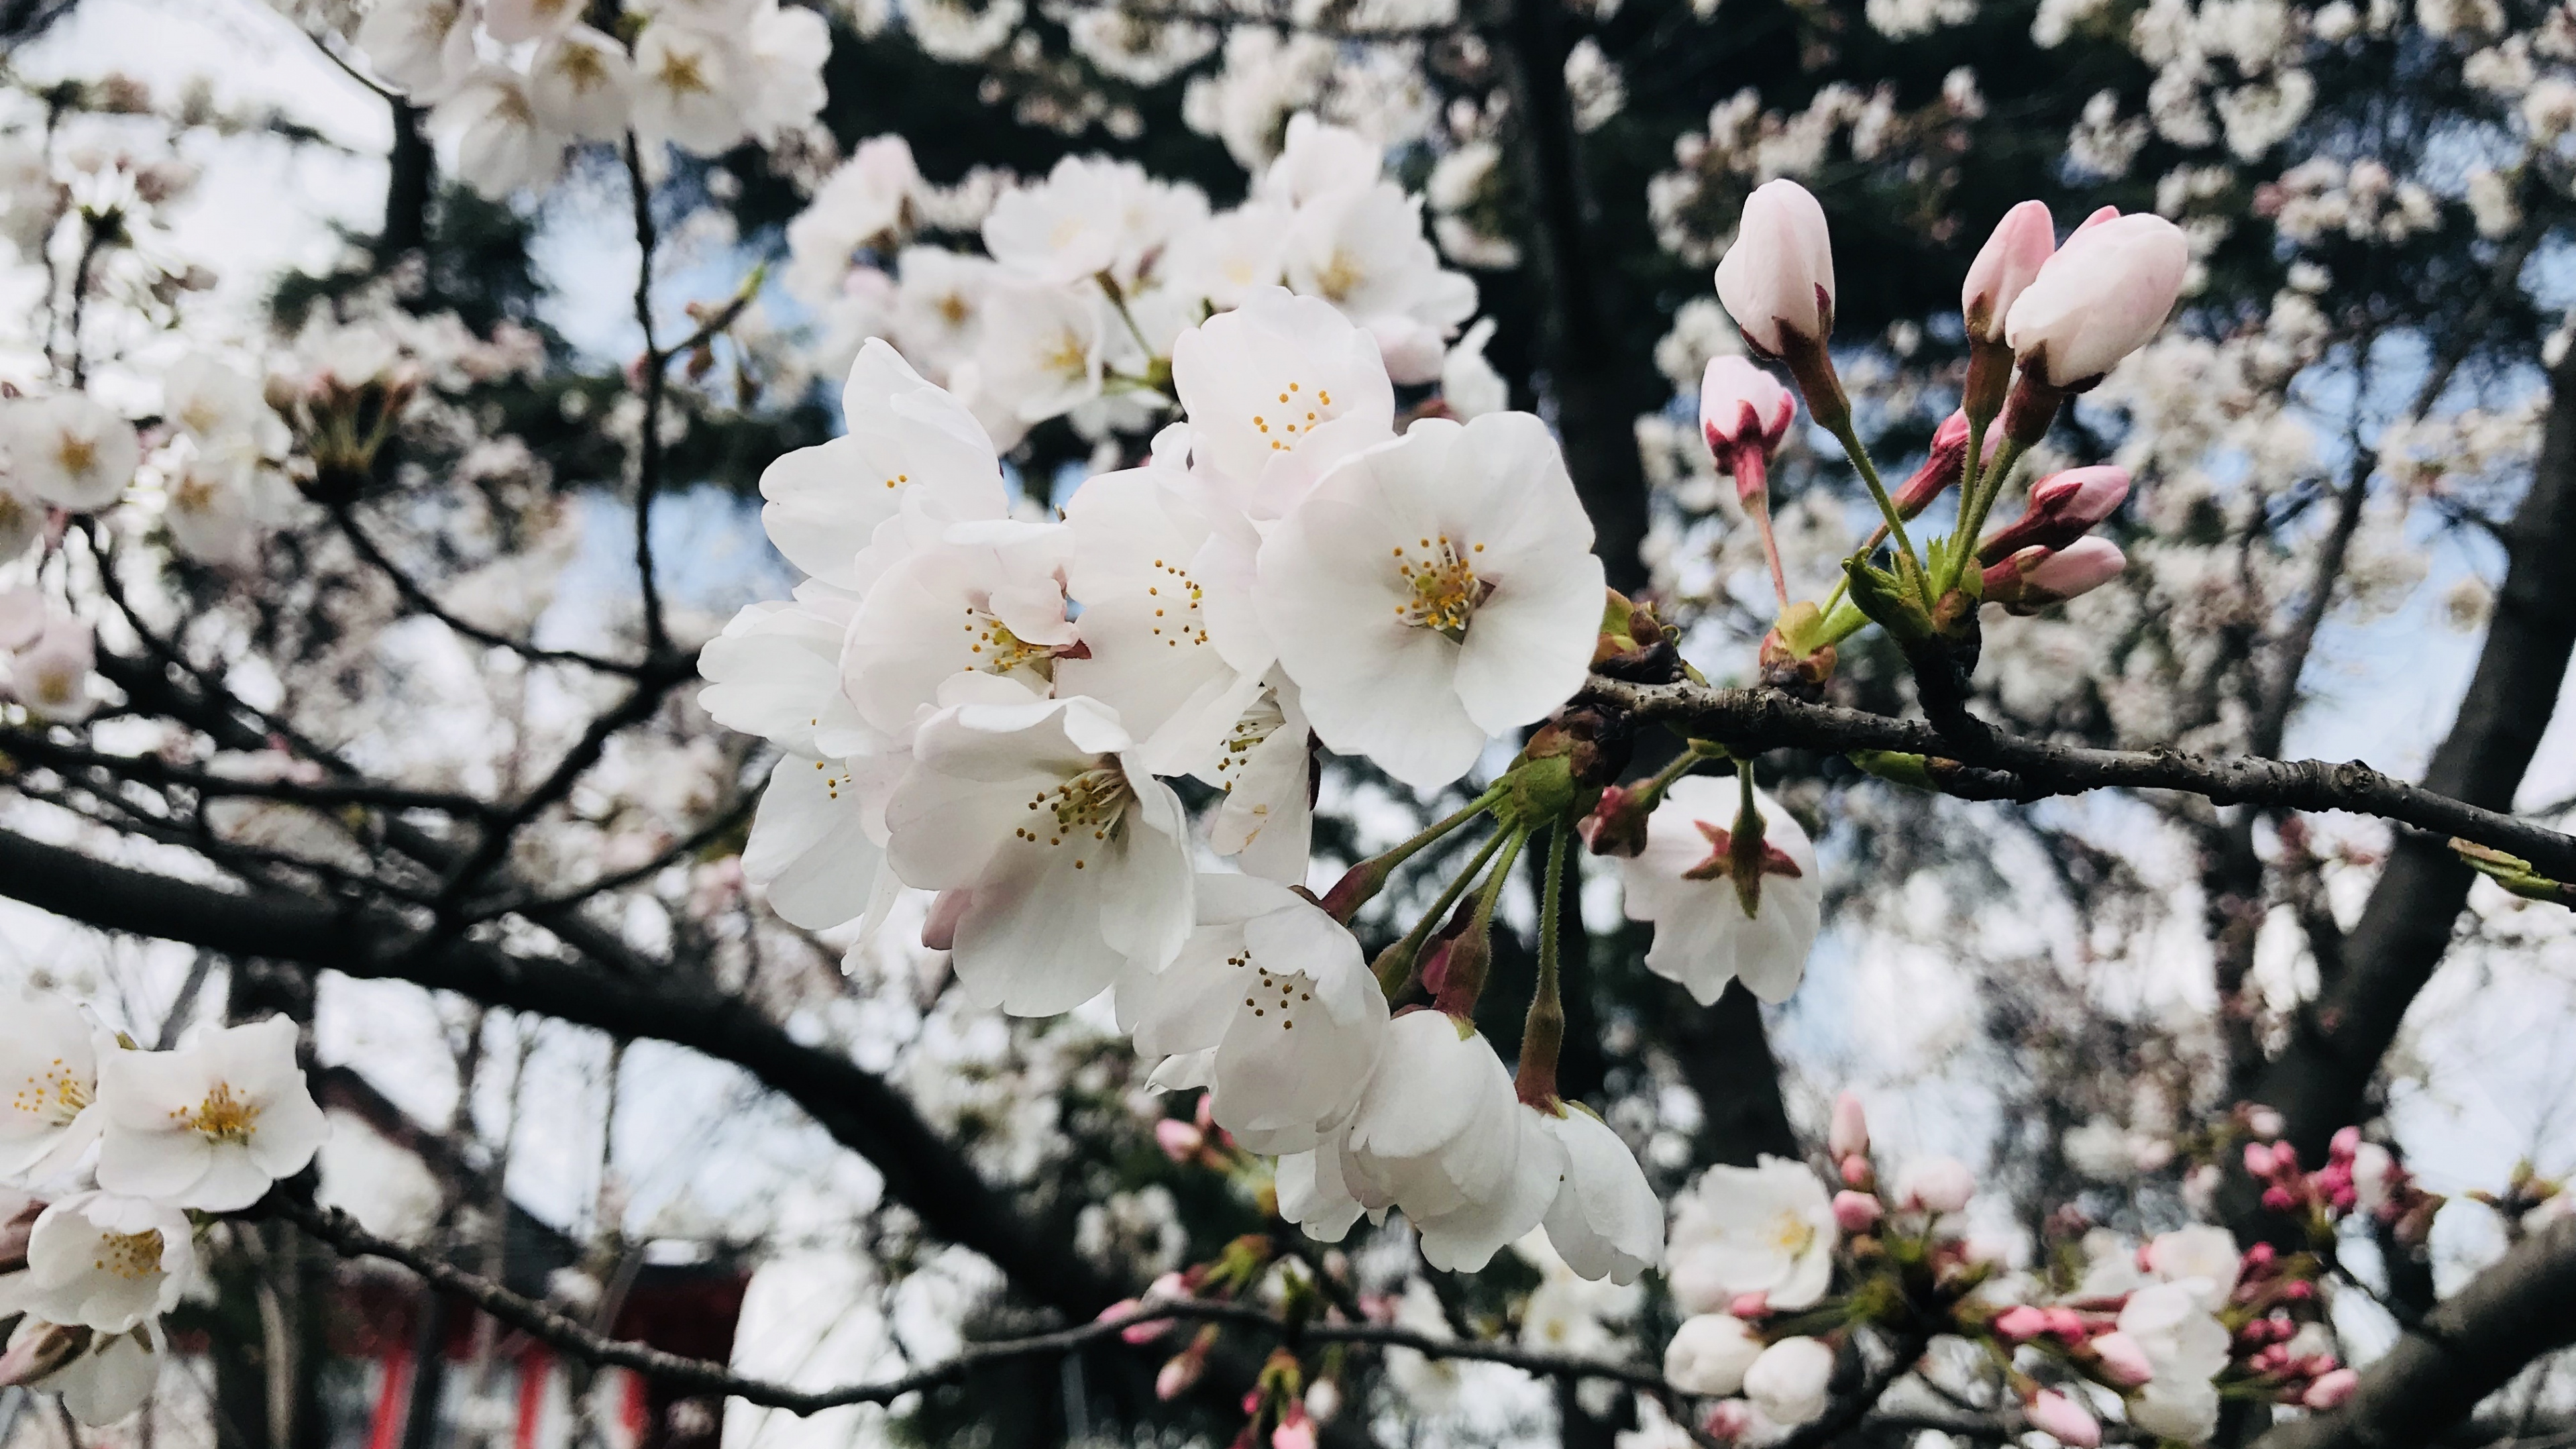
pixel 1935 1185
pixel 2202 1255
pixel 817 842
pixel 2062 1419
pixel 1435 591
pixel 1266 822
pixel 211 1125
pixel 1606 1221
pixel 775 672
pixel 2021 244
pixel 1777 280
pixel 2098 299
pixel 2062 507
pixel 1789 1384
pixel 102 1378
pixel 1765 1229
pixel 1709 1354
pixel 987 600
pixel 1742 407
pixel 49 1064
pixel 51 677
pixel 1070 227
pixel 582 83
pixel 1362 250
pixel 783 50
pixel 904 437
pixel 863 199
pixel 939 304
pixel 421 47
pixel 1469 385
pixel 107 1263
pixel 2039 576
pixel 686 82
pixel 1043 348
pixel 1277 391
pixel 512 21
pixel 2185 1347
pixel 1704 936
pixel 501 145
pixel 1230 258
pixel 69 451
pixel 1317 159
pixel 1278 994
pixel 1076 863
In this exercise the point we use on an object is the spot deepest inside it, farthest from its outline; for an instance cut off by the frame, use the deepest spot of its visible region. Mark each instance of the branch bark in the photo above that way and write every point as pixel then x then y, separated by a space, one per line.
pixel 2005 767
pixel 860 1110
pixel 2464 1350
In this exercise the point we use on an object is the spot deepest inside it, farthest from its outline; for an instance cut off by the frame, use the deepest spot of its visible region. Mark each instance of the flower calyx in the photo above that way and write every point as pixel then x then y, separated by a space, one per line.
pixel 1744 857
pixel 1634 645
pixel 2515 874
pixel 1797 656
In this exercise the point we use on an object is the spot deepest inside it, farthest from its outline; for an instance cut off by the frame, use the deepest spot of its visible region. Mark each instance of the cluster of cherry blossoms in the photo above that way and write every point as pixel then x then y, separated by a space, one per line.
pixel 1777 1270
pixel 1090 276
pixel 127 1154
pixel 515 84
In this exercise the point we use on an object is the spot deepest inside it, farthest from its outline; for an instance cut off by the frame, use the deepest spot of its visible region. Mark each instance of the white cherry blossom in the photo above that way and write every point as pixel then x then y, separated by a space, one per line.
pixel 817 842
pixel 1070 227
pixel 211 1125
pixel 2186 1346
pixel 1076 864
pixel 49 1067
pixel 1606 1221
pixel 1709 1354
pixel 1277 391
pixel 70 451
pixel 1435 591
pixel 51 676
pixel 1777 280
pixel 686 84
pixel 582 84
pixel 107 1263
pixel 904 436
pixel 1043 349
pixel 1764 1229
pixel 863 199
pixel 1680 882
pixel 107 1380
pixel 512 21
pixel 1790 1383
pixel 783 50
pixel 501 145
pixel 986 599
pixel 775 672
pixel 421 47
pixel 939 305
pixel 1266 822
pixel 1363 251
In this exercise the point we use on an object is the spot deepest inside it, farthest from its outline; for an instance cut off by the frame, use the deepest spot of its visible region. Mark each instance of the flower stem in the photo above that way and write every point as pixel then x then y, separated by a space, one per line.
pixel 1361 883
pixel 1471 955
pixel 1396 963
pixel 1849 437
pixel 1977 501
pixel 1543 1034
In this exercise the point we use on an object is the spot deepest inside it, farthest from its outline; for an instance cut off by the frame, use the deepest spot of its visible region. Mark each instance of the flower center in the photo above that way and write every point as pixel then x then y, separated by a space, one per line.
pixel 682 74
pixel 1445 587
pixel 835 775
pixel 1338 280
pixel 196 493
pixel 954 309
pixel 55 1094
pixel 1085 807
pixel 222 1117
pixel 1066 355
pixel 1291 990
pixel 1184 596
pixel 1792 1234
pixel 77 455
pixel 130 1256
pixel 1298 411
pixel 994 649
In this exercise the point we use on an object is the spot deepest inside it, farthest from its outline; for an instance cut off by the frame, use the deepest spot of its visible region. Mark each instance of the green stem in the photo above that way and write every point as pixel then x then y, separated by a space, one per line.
pixel 1543 1034
pixel 1849 437
pixel 1397 963
pixel 1439 828
pixel 1963 539
pixel 1973 508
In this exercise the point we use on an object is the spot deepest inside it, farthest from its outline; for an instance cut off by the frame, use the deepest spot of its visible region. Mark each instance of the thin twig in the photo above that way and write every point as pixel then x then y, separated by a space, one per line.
pixel 648 461
pixel 419 599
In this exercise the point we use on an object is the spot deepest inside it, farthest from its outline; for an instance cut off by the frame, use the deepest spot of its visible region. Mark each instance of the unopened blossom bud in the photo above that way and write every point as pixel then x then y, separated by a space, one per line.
pixel 2278 1199
pixel 2265 1122
pixel 1749 1306
pixel 2035 578
pixel 2330 1390
pixel 1296 1430
pixel 2063 508
pixel 1323 1400
pixel 1178 1374
pixel 1777 280
pixel 2020 1323
pixel 2098 299
pixel 1856 1212
pixel 1855 1170
pixel 2345 1143
pixel 1941 466
pixel 1790 1383
pixel 2062 1419
pixel 1617 826
pixel 1728 1421
pixel 2021 244
pixel 37 1349
pixel 1849 1134
pixel 2067 1324
pixel 1935 1185
pixel 2124 1358
pixel 1179 1140
pixel 2258 1159
pixel 1709 1354
pixel 2100 215
pixel 1744 413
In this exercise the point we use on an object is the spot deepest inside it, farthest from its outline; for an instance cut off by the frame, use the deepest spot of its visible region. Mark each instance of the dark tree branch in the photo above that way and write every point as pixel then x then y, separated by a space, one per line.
pixel 2465 1349
pixel 859 1109
pixel 2004 767
pixel 341 1232
pixel 28 748
pixel 420 601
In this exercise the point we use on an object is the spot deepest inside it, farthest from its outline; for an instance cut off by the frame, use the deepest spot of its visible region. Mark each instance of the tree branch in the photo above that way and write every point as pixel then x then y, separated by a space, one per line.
pixel 2464 1350
pixel 2005 767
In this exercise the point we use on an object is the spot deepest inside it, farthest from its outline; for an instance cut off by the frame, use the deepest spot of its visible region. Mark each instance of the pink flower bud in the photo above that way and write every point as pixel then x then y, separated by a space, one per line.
pixel 2346 1142
pixel 2022 243
pixel 2099 216
pixel 2258 1159
pixel 2068 1324
pixel 2061 1419
pixel 1617 826
pixel 1855 1170
pixel 2278 1199
pixel 2331 1390
pixel 2098 299
pixel 2063 506
pixel 2035 578
pixel 2298 1290
pixel 1749 1306
pixel 1177 1374
pixel 1742 406
pixel 1777 280
pixel 1935 1185
pixel 2285 1158
pixel 1296 1430
pixel 2259 1256
pixel 1849 1134
pixel 1941 465
pixel 1728 1420
pixel 1856 1212
pixel 1179 1140
pixel 2020 1323
pixel 2124 1358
